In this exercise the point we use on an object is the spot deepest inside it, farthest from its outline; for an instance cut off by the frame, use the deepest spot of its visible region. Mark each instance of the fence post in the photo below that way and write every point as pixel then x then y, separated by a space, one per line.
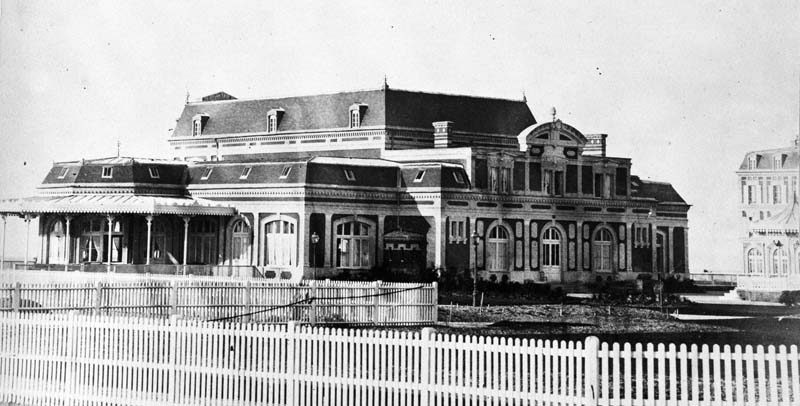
pixel 376 302
pixel 426 365
pixel 16 297
pixel 313 315
pixel 291 361
pixel 591 353
pixel 247 301
pixel 98 297
pixel 435 304
pixel 173 298
pixel 173 358
pixel 70 364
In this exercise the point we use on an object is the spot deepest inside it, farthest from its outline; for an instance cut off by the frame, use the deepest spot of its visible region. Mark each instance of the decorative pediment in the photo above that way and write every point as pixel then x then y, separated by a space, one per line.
pixel 555 133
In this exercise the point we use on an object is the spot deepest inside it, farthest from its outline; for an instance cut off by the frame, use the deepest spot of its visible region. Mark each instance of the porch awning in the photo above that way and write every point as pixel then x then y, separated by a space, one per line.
pixel 115 204
pixel 785 221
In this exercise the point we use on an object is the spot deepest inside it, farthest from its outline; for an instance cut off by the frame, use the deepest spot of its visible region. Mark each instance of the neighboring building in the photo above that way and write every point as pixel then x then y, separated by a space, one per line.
pixel 363 180
pixel 771 216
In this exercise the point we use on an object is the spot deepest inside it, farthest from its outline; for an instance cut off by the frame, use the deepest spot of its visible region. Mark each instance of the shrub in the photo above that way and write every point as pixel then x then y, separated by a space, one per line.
pixel 790 297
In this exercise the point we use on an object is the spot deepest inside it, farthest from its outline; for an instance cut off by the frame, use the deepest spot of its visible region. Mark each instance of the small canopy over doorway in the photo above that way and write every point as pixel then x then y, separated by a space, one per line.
pixel 106 208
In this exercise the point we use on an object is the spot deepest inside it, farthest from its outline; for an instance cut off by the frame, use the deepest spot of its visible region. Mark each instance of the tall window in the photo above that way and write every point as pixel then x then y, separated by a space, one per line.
pixel 601 250
pixel 551 248
pixel 354 245
pixel 778 162
pixel 505 180
pixel 494 179
pixel 240 243
pixel 751 162
pixel 553 182
pixel 202 242
pixel 272 124
pixel 158 242
pixel 776 194
pixel 281 242
pixel 780 262
pixel 355 118
pixel 94 241
pixel 458 231
pixel 57 244
pixel 751 194
pixel 755 261
pixel 497 249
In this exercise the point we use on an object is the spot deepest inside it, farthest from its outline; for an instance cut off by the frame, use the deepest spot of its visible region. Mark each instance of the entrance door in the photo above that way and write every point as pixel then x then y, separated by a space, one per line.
pixel 240 244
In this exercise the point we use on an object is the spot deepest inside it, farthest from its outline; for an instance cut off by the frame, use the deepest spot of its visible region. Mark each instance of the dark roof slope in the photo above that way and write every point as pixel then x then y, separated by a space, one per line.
pixel 766 158
pixel 123 170
pixel 662 192
pixel 384 107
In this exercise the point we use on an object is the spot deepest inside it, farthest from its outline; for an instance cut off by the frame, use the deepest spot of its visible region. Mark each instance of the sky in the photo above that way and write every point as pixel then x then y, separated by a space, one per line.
pixel 684 89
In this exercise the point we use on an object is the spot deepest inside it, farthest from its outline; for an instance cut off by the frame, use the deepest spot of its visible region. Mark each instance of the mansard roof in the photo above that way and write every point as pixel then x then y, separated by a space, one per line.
pixel 384 107
pixel 765 159
pixel 125 170
pixel 660 191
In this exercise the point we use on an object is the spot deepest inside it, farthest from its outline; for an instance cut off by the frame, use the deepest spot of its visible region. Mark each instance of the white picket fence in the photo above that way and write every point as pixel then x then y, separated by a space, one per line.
pixel 317 302
pixel 88 360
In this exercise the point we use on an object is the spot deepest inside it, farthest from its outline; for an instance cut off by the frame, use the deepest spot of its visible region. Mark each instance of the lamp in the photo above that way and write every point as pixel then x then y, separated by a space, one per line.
pixel 476 239
pixel 314 241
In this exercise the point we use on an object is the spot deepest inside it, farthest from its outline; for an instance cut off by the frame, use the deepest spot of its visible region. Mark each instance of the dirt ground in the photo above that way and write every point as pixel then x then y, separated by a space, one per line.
pixel 613 323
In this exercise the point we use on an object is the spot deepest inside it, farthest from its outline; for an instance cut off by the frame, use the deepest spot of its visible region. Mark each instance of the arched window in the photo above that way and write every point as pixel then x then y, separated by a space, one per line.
pixel 755 261
pixel 240 243
pixel 551 248
pixel 780 262
pixel 280 242
pixel 602 250
pixel 57 244
pixel 354 243
pixel 497 249
pixel 202 241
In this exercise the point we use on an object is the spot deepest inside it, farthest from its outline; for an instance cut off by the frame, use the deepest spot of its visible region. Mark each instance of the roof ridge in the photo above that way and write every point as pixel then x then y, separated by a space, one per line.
pixel 381 89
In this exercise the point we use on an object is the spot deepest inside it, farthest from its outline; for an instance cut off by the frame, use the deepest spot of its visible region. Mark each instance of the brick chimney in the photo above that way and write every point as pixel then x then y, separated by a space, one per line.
pixel 442 134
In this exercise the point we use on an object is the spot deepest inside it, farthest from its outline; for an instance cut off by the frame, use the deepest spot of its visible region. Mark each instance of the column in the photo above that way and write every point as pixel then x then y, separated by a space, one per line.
pixel 671 258
pixel 438 255
pixel 110 247
pixel 303 220
pixel 686 251
pixel 68 248
pixel 27 238
pixel 473 260
pixel 380 231
pixel 629 247
pixel 3 254
pixel 579 243
pixel 185 239
pixel 526 243
pixel 330 241
pixel 149 220
pixel 653 254
pixel 255 247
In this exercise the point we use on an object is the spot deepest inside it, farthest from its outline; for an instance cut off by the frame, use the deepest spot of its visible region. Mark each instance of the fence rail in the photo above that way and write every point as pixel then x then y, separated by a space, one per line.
pixel 316 302
pixel 115 360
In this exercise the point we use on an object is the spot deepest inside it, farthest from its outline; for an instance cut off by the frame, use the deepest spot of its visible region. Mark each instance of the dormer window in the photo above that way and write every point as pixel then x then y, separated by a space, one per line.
pixel 357 111
pixel 348 173
pixel 273 120
pixel 63 173
pixel 206 173
pixel 752 162
pixel 778 162
pixel 107 172
pixel 245 172
pixel 154 173
pixel 420 175
pixel 198 124
pixel 285 172
pixel 458 177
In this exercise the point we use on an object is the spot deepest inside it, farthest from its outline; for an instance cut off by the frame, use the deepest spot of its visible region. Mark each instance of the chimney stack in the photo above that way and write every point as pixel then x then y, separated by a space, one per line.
pixel 442 134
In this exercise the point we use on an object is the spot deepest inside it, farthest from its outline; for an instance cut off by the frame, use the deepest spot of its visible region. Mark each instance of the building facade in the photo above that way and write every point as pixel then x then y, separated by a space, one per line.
pixel 770 218
pixel 357 181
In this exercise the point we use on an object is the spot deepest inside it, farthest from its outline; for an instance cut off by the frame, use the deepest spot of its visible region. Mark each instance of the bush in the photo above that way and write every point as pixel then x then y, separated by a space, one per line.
pixel 790 297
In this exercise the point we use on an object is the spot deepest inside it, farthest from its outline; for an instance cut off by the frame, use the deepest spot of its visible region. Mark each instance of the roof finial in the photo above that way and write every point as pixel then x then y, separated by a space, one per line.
pixel 553 113
pixel 187 96
pixel 524 98
pixel 118 144
pixel 385 82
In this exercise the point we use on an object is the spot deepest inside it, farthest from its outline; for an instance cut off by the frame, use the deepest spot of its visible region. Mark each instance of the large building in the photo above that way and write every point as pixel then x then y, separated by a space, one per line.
pixel 384 179
pixel 770 218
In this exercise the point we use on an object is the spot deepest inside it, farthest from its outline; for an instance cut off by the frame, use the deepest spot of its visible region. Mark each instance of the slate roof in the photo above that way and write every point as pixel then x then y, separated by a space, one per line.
pixel 662 192
pixel 766 158
pixel 385 107
pixel 124 170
